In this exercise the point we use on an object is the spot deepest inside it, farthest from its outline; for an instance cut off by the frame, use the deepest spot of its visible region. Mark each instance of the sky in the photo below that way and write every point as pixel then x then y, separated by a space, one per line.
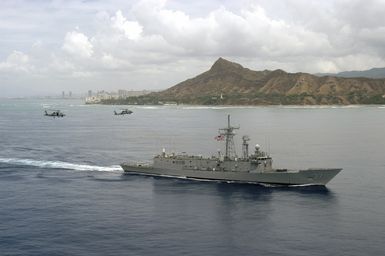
pixel 50 46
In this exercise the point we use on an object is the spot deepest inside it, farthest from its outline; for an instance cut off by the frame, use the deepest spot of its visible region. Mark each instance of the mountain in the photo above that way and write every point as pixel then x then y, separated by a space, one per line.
pixel 229 83
pixel 371 73
pixel 223 77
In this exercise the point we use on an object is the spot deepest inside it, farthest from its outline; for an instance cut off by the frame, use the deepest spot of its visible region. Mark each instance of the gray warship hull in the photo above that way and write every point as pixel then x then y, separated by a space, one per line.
pixel 278 177
pixel 250 168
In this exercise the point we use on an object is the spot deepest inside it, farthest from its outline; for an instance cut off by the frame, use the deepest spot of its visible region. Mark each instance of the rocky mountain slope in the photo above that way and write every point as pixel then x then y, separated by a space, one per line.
pixel 229 83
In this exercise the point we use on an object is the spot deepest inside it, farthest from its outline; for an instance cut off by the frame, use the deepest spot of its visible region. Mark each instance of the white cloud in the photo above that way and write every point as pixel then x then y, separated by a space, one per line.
pixel 17 61
pixel 131 29
pixel 222 32
pixel 17 58
pixel 77 44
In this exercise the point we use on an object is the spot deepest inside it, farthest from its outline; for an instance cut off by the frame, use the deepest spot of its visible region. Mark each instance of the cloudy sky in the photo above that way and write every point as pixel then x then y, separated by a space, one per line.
pixel 47 46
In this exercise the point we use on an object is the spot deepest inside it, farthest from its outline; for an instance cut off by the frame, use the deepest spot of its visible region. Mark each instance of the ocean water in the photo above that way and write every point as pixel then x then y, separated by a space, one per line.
pixel 62 191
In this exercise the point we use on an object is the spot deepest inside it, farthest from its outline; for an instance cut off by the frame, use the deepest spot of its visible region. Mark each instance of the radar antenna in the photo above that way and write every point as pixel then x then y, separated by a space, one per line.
pixel 229 134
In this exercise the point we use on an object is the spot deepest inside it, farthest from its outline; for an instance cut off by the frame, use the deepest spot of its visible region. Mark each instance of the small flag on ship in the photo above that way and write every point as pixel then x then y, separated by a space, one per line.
pixel 219 137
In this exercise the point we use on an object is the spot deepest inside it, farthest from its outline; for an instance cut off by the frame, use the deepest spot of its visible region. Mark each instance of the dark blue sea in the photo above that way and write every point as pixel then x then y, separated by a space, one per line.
pixel 62 191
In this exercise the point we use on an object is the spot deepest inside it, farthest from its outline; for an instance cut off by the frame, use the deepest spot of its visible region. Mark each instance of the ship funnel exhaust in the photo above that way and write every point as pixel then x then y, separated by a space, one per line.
pixel 245 146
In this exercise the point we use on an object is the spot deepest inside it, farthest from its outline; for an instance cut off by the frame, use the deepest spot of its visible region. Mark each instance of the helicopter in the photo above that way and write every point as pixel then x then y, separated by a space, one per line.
pixel 54 113
pixel 123 112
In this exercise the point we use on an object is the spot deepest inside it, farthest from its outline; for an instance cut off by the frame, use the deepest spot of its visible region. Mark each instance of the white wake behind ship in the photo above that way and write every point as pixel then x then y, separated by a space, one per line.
pixel 250 168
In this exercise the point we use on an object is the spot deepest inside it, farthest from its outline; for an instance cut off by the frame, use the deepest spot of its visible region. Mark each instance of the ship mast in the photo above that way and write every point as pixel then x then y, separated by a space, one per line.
pixel 228 132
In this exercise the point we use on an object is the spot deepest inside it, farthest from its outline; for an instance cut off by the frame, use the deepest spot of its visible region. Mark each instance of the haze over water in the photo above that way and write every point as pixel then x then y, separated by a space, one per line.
pixel 63 192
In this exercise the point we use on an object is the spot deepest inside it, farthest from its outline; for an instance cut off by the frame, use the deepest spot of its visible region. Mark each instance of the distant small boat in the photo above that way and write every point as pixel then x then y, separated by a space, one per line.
pixel 123 112
pixel 54 113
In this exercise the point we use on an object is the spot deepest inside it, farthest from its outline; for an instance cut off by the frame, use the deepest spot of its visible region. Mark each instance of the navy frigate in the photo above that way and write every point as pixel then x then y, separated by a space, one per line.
pixel 256 167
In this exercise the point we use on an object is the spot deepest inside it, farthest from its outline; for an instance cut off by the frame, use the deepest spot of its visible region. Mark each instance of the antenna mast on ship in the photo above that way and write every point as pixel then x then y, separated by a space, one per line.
pixel 229 134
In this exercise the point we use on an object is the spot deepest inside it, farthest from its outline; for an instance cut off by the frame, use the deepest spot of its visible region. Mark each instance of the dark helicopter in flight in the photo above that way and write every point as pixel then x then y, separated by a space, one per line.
pixel 123 112
pixel 54 113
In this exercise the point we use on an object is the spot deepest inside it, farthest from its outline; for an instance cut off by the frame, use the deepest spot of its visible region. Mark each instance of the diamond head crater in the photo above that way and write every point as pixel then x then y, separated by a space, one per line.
pixel 229 83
